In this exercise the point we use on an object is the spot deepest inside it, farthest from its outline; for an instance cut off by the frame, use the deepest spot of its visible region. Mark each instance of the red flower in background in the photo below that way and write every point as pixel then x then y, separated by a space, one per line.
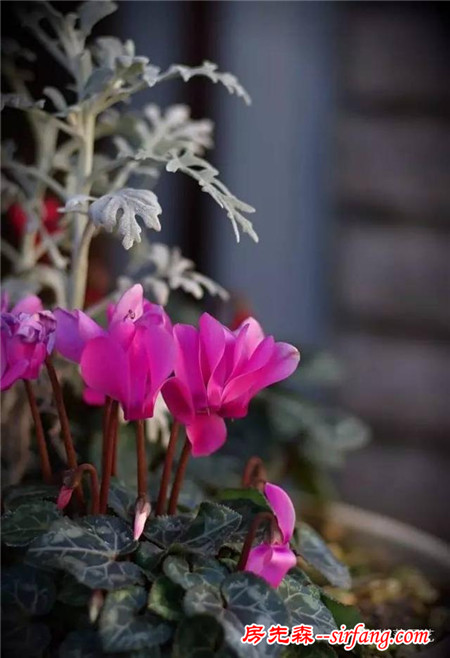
pixel 50 216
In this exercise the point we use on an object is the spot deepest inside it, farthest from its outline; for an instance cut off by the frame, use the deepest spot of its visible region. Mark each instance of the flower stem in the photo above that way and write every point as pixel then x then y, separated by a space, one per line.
pixel 246 548
pixel 95 495
pixel 254 472
pixel 179 477
pixel 141 455
pixel 42 446
pixel 105 426
pixel 168 463
pixel 63 419
pixel 109 456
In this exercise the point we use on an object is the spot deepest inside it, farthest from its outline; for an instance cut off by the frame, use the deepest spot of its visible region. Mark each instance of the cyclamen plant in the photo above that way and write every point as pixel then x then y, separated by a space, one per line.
pixel 95 568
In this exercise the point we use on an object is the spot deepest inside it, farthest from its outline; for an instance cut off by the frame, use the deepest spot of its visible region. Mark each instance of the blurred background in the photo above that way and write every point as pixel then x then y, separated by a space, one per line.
pixel 345 154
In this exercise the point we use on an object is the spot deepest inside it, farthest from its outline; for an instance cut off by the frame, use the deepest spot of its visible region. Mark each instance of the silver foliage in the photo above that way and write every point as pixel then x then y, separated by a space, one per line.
pixel 121 211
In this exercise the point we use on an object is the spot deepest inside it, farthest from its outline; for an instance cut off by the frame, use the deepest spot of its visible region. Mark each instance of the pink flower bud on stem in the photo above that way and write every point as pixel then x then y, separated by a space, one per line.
pixel 142 512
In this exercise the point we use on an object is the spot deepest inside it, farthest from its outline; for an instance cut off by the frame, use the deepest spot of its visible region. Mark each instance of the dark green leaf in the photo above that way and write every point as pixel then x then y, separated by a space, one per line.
pixel 25 638
pixel 165 599
pixel 206 571
pixel 196 634
pixel 81 644
pixel 316 650
pixel 249 494
pixel 305 605
pixel 71 592
pixel 149 556
pixel 18 495
pixel 166 530
pixel 28 589
pixel 342 614
pixel 122 499
pixel 243 599
pixel 88 550
pixel 22 525
pixel 315 551
pixel 121 626
pixel 211 527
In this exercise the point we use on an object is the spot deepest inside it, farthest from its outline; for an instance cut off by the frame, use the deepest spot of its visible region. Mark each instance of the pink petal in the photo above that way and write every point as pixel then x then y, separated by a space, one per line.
pixel 271 562
pixel 73 330
pixel 129 306
pixel 139 403
pixel 13 373
pixel 160 349
pixel 280 365
pixel 104 368
pixel 93 398
pixel 206 434
pixel 283 509
pixel 187 363
pixel 212 344
pixel 254 333
pixel 31 304
pixel 64 496
pixel 143 510
pixel 178 399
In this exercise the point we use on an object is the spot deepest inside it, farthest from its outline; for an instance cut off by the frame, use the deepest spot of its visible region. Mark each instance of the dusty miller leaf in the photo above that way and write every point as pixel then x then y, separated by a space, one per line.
pixel 91 13
pixel 121 211
pixel 19 102
pixel 209 70
pixel 206 176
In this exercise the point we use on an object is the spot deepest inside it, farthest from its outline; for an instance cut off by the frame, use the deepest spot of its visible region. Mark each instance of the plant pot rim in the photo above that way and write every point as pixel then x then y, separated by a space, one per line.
pixel 406 544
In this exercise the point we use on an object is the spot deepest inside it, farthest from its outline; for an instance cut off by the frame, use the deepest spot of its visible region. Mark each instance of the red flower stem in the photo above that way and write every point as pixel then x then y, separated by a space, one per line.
pixel 141 455
pixel 168 463
pixel 254 472
pixel 42 446
pixel 106 475
pixel 246 548
pixel 179 477
pixel 95 495
pixel 63 419
pixel 105 425
pixel 115 440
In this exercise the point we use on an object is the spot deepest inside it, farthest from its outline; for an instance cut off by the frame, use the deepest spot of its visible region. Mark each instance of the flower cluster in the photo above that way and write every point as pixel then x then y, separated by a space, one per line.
pixel 28 336
pixel 205 376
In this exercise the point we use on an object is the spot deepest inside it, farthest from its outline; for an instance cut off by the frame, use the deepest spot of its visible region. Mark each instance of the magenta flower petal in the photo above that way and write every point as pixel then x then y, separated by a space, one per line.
pixel 130 305
pixel 160 350
pixel 31 304
pixel 104 368
pixel 271 562
pixel 94 398
pixel 73 330
pixel 10 375
pixel 283 509
pixel 212 344
pixel 178 399
pixel 188 362
pixel 64 496
pixel 206 434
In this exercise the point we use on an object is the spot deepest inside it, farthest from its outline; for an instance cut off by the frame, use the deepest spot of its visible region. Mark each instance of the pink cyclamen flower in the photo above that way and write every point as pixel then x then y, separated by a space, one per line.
pixel 217 372
pixel 273 560
pixel 128 361
pixel 27 337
